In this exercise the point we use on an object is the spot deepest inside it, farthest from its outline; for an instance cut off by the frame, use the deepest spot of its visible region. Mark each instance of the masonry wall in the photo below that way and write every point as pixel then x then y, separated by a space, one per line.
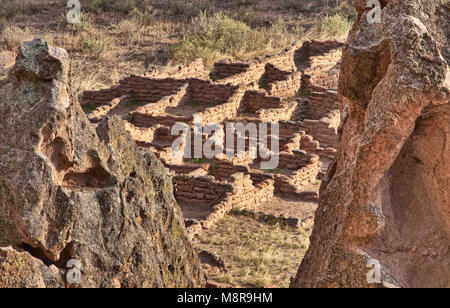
pixel 195 69
pixel 310 49
pixel 289 128
pixel 247 195
pixel 144 134
pixel 310 145
pixel 286 88
pixel 252 71
pixel 320 104
pixel 200 190
pixel 323 131
pixel 186 168
pixel 320 64
pixel 273 74
pixel 224 111
pixel 205 92
pixel 102 111
pixel 226 68
pixel 291 143
pixel 289 184
pixel 243 195
pixel 144 89
pixel 324 69
pixel 146 120
pixel 256 100
pixel 295 160
pixel 173 100
pixel 283 113
pixel 223 169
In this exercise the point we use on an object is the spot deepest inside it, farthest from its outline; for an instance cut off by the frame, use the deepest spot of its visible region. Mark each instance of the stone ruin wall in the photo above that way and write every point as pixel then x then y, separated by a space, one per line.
pixel 195 69
pixel 262 90
pixel 221 197
pixel 228 71
pixel 320 104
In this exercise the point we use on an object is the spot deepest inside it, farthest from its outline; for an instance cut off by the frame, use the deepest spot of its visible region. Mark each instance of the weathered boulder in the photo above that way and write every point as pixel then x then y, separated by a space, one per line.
pixel 386 199
pixel 69 191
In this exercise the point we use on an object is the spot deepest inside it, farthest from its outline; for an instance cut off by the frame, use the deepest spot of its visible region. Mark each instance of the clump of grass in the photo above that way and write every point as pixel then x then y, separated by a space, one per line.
pixel 144 16
pixel 128 31
pixel 346 10
pixel 198 160
pixel 255 254
pixel 186 9
pixel 264 85
pixel 95 45
pixel 220 36
pixel 273 171
pixel 332 26
pixel 304 93
pixel 11 8
pixel 12 37
pixel 213 75
pixel 225 278
pixel 3 24
pixel 134 104
pixel 88 108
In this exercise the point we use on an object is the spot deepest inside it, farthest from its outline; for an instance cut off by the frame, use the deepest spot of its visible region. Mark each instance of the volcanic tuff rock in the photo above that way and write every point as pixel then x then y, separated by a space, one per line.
pixel 69 190
pixel 387 196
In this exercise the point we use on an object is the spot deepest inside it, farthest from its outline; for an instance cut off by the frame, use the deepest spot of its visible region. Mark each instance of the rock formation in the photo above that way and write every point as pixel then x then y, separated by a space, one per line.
pixel 69 190
pixel 386 198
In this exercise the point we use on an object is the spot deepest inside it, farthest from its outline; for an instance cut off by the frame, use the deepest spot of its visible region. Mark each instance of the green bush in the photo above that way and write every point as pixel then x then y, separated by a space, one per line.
pixel 219 36
pixel 346 10
pixel 95 45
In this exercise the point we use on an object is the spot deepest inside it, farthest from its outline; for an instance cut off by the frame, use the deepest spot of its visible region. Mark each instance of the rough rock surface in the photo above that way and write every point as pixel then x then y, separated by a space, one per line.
pixel 69 190
pixel 387 196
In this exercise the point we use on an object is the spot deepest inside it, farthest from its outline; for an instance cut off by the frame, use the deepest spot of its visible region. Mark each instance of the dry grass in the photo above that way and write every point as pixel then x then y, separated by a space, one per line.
pixel 12 37
pixel 216 37
pixel 118 38
pixel 331 27
pixel 255 254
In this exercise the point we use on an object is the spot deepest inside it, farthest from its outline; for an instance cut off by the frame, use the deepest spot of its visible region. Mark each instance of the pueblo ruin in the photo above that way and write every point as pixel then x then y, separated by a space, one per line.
pixel 368 117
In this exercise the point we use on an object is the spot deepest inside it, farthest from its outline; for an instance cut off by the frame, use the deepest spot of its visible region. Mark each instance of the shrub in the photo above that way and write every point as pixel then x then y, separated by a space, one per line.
pixel 95 46
pixel 145 16
pixel 186 9
pixel 12 37
pixel 219 36
pixel 335 26
pixel 3 24
pixel 346 10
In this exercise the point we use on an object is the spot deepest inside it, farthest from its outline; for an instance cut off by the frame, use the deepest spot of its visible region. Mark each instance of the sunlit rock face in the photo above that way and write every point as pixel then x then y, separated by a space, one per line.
pixel 386 199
